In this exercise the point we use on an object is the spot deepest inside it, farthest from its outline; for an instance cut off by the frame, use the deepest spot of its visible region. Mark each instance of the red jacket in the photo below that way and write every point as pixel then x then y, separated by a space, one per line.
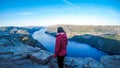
pixel 61 44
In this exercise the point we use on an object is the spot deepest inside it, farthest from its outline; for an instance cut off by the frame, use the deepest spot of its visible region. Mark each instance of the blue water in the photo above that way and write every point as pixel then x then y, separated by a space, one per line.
pixel 74 49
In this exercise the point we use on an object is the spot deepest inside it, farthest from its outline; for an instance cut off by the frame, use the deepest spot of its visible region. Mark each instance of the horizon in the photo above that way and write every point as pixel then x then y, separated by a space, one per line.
pixel 51 25
pixel 46 12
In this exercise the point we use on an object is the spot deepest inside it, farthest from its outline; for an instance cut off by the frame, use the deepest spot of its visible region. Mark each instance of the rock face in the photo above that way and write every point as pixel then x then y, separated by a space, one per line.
pixel 108 45
pixel 17 55
pixel 14 53
pixel 22 35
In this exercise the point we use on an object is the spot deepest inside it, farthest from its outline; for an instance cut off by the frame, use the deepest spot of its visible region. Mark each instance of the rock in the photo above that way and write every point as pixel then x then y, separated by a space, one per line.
pixel 25 38
pixel 5 64
pixel 101 66
pixel 111 61
pixel 22 32
pixel 8 41
pixel 90 63
pixel 13 31
pixel 42 56
pixel 16 57
pixel 38 44
pixel 52 65
pixel 94 64
pixel 29 40
pixel 4 42
pixel 22 63
pixel 5 50
pixel 87 36
pixel 5 56
pixel 20 51
pixel 71 62
pixel 3 28
pixel 35 65
pixel 4 34
pixel 15 54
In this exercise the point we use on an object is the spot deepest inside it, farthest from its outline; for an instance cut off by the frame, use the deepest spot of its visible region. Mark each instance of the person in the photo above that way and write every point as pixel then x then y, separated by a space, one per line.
pixel 60 46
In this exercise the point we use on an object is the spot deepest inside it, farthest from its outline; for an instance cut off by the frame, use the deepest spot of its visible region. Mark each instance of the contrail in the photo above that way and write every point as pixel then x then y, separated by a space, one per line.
pixel 70 3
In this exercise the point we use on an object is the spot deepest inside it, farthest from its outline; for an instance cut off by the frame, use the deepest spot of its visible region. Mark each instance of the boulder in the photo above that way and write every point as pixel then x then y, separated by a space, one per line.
pixel 13 31
pixel 22 32
pixel 42 56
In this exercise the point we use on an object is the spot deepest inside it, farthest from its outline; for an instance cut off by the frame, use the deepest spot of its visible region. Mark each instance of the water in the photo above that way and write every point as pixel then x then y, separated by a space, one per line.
pixel 74 49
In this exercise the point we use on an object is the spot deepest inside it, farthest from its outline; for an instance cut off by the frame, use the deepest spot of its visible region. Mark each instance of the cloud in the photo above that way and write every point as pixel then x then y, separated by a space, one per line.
pixel 113 12
pixel 69 3
pixel 25 13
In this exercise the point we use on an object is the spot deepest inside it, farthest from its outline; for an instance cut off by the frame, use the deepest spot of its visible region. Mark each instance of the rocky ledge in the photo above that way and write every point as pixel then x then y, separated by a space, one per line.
pixel 18 51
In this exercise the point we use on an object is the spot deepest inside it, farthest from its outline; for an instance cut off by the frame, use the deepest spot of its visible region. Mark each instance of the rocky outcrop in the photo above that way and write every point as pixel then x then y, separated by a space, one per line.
pixel 14 53
pixel 108 45
pixel 81 63
pixel 29 40
pixel 18 57
pixel 108 61
pixel 77 62
pixel 24 35
pixel 111 61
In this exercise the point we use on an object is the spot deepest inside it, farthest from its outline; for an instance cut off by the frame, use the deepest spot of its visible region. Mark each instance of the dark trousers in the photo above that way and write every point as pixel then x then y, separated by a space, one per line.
pixel 60 60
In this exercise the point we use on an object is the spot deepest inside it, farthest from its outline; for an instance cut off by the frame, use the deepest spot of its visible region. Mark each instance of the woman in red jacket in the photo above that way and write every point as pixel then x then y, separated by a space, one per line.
pixel 60 46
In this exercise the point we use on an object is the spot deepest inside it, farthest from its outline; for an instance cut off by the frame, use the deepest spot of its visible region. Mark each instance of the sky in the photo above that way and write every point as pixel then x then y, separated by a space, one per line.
pixel 51 12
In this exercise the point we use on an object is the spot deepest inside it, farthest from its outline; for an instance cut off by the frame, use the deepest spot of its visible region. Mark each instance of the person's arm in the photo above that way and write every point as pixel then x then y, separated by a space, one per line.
pixel 57 46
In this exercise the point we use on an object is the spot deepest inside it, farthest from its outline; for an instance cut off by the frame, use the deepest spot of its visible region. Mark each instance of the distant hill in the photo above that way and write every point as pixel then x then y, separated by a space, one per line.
pixel 110 32
pixel 13 29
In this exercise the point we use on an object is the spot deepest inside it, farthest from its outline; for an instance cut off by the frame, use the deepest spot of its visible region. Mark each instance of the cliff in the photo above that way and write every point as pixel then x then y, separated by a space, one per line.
pixel 108 45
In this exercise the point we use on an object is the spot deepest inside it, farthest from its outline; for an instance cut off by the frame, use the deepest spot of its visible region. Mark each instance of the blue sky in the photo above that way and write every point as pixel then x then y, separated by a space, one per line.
pixel 51 12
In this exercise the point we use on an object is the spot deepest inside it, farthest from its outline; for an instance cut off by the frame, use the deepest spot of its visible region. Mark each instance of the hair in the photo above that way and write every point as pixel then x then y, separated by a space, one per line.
pixel 60 29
